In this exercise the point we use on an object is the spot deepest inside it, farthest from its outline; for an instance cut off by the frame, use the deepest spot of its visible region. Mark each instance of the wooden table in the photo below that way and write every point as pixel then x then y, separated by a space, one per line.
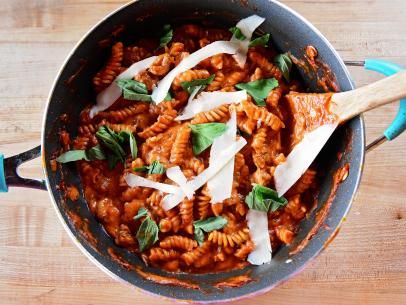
pixel 39 264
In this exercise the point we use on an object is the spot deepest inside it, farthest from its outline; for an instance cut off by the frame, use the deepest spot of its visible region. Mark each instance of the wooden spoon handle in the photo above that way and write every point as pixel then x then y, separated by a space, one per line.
pixel 352 103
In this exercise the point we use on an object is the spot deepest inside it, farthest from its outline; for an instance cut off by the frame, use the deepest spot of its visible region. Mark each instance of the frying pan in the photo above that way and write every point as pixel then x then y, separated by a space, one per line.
pixel 72 90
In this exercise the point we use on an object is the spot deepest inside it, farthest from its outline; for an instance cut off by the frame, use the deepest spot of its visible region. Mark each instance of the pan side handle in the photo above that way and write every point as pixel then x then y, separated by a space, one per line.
pixel 9 175
pixel 398 125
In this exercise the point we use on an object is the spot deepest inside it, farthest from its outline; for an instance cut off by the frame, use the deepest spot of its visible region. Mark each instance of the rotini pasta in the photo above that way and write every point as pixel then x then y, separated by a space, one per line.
pixel 113 67
pixel 233 239
pixel 161 138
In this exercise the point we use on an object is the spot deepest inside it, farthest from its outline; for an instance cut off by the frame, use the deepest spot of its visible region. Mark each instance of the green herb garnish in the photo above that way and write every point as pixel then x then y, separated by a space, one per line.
pixel 155 168
pixel 128 136
pixel 284 63
pixel 142 212
pixel 237 33
pixel 136 91
pixel 110 140
pixel 260 41
pixel 263 199
pixel 114 142
pixel 110 148
pixel 203 82
pixel 207 225
pixel 94 153
pixel 259 89
pixel 203 135
pixel 147 233
pixel 167 35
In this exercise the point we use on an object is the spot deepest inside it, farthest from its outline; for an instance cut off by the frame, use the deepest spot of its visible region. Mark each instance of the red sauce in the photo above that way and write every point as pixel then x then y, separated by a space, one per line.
pixel 72 192
pixel 118 259
pixel 309 111
pixel 82 225
pixel 115 204
pixel 163 280
pixel 235 281
pixel 321 216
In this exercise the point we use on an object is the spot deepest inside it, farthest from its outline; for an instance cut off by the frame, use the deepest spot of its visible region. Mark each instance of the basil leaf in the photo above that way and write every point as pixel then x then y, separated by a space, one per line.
pixel 133 96
pixel 259 89
pixel 72 155
pixel 133 146
pixel 94 153
pixel 237 33
pixel 263 199
pixel 132 85
pixel 128 135
pixel 210 224
pixel 203 135
pixel 147 234
pixel 199 236
pixel 207 225
pixel 110 140
pixel 142 169
pixel 112 161
pixel 260 41
pixel 142 212
pixel 284 63
pixel 155 168
pixel 134 90
pixel 190 86
pixel 168 97
pixel 167 35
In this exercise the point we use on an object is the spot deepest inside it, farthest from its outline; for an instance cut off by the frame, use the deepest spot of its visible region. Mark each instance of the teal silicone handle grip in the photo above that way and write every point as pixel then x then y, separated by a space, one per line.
pixel 3 185
pixel 388 68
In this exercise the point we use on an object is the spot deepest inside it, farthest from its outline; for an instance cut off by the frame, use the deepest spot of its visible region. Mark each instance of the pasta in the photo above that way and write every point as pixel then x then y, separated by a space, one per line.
pixel 161 138
pixel 113 67
pixel 223 239
pixel 178 242
pixel 219 114
pixel 180 146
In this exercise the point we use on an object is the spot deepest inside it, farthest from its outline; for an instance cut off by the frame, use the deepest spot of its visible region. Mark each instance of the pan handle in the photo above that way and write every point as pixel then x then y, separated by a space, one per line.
pixel 399 123
pixel 9 171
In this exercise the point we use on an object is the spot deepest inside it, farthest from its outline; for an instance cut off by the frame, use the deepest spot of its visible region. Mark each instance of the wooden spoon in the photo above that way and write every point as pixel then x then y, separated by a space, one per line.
pixel 316 116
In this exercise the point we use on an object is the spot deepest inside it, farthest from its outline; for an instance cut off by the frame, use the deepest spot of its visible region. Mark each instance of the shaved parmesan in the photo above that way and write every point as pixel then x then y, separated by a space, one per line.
pixel 220 186
pixel 247 27
pixel 194 93
pixel 217 47
pixel 176 175
pixel 197 182
pixel 258 224
pixel 172 200
pixel 108 96
pixel 133 181
pixel 207 101
pixel 300 158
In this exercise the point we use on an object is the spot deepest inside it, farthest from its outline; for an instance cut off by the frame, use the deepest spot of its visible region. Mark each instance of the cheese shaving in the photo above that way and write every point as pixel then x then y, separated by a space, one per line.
pixel 220 186
pixel 133 181
pixel 175 174
pixel 258 225
pixel 194 93
pixel 217 47
pixel 247 26
pixel 197 182
pixel 207 101
pixel 300 158
pixel 108 96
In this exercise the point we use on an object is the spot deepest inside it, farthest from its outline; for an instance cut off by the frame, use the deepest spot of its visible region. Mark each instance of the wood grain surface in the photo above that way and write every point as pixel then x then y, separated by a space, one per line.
pixel 366 264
